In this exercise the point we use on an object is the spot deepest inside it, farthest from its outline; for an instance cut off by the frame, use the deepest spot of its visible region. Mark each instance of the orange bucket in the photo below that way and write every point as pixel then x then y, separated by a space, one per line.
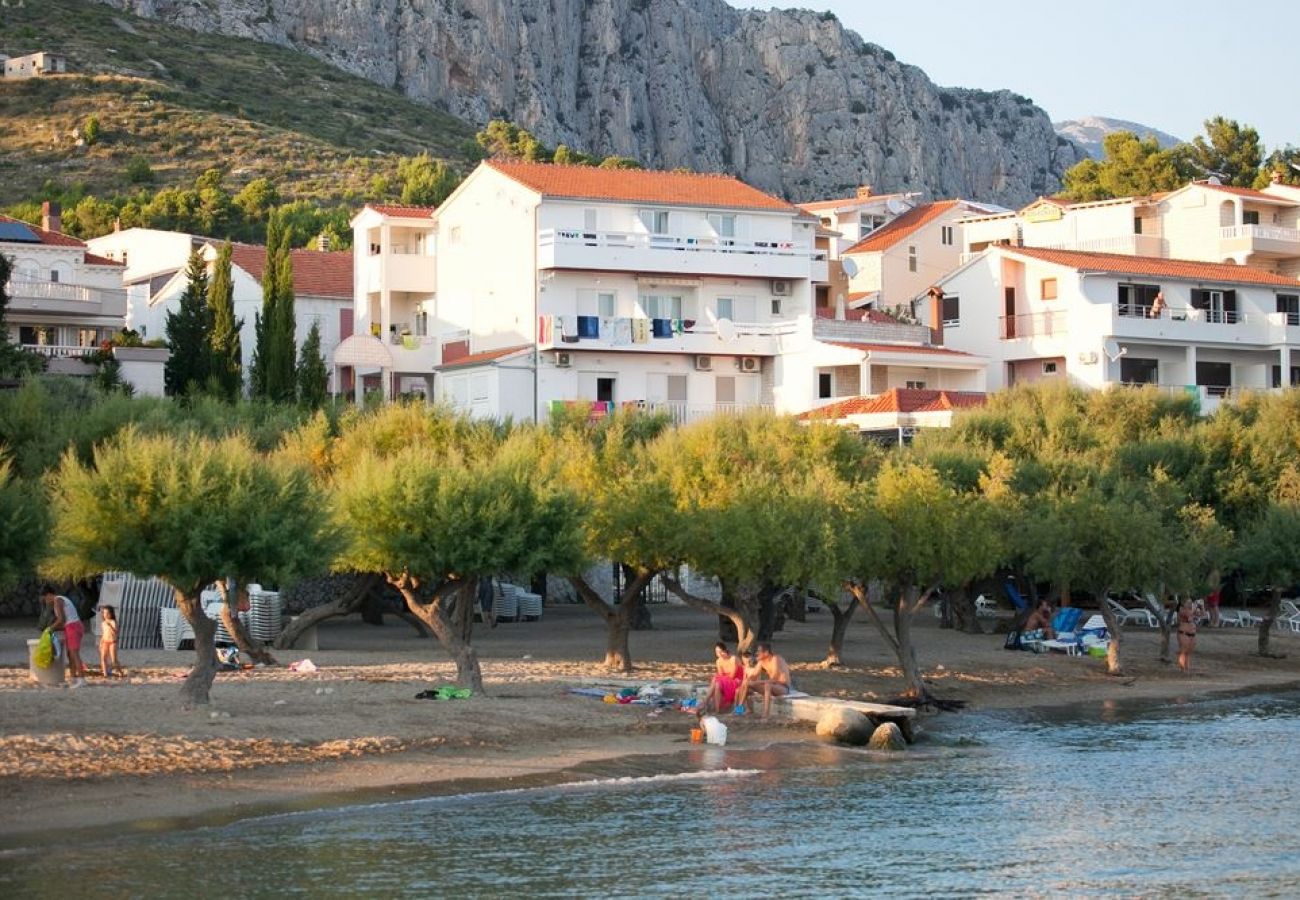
pixel 697 735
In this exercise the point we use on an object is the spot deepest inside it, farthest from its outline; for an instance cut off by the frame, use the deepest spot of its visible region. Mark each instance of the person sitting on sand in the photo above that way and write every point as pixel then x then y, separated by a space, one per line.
pixel 770 675
pixel 726 681
pixel 1039 623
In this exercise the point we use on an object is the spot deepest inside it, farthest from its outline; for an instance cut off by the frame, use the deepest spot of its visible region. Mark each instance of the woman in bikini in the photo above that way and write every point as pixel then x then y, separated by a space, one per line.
pixel 726 681
pixel 1186 633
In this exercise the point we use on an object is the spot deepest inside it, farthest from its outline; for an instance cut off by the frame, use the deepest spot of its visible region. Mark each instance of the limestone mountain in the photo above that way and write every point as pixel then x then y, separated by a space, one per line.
pixel 788 100
pixel 1090 131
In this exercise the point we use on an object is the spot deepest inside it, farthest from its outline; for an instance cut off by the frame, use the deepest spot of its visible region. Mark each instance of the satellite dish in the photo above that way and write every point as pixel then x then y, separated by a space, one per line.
pixel 1213 179
pixel 1113 350
pixel 726 330
pixel 849 266
pixel 896 206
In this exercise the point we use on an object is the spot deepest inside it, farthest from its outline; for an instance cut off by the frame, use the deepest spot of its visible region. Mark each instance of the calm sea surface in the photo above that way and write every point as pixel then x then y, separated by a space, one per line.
pixel 1179 801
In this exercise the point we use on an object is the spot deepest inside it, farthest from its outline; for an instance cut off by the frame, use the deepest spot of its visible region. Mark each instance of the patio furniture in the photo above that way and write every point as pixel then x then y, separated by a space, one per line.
pixel 136 602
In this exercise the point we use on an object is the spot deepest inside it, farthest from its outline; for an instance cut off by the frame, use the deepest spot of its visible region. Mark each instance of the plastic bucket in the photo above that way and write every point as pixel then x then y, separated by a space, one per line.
pixel 52 675
pixel 714 731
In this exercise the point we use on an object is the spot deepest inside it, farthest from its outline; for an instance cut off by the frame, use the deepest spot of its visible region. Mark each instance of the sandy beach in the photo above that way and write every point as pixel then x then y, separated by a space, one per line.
pixel 123 754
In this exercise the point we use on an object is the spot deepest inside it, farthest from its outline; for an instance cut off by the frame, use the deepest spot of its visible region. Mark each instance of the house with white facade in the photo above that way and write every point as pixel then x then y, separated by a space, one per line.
pixel 32 65
pixel 63 298
pixel 556 285
pixel 1100 319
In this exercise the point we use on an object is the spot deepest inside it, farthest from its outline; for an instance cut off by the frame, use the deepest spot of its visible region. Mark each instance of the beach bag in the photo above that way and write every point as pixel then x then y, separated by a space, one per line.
pixel 1013 640
pixel 43 656
pixel 714 731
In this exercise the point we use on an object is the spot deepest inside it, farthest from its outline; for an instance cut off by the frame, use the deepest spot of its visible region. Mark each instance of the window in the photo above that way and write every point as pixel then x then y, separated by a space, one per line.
pixel 723 226
pixel 945 235
pixel 951 310
pixel 589 221
pixel 605 390
pixel 1048 288
pixel 124 257
pixel 422 324
pixel 660 306
pixel 54 275
pixel 825 385
pixel 453 236
pixel 458 390
pixel 725 389
pixel 1217 306
pixel 1250 217
pixel 1135 299
pixel 1137 225
pixel 776 306
pixel 654 220
pixel 916 385
pixel 479 386
pixel 89 337
pixel 1135 370
pixel 738 309
pixel 1049 368
pixel 605 305
pixel 867 223
pixel 911 258
pixel 726 308
pixel 1215 377
pixel 1277 376
pixel 1289 306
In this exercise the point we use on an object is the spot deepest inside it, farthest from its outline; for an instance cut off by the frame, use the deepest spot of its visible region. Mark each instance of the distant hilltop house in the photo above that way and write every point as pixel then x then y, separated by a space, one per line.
pixel 34 64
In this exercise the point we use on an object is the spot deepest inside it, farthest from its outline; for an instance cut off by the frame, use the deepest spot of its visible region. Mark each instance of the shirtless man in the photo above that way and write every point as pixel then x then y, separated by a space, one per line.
pixel 770 674
pixel 1041 620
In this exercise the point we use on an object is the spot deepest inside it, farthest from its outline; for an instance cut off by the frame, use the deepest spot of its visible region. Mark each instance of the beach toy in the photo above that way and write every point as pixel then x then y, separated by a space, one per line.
pixel 697 735
pixel 610 698
pixel 740 709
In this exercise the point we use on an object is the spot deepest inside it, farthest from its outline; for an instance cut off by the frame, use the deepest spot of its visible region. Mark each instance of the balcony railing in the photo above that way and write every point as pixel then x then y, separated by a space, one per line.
pixel 60 290
pixel 1261 232
pixel 680 413
pixel 1040 324
pixel 633 251
pixel 1123 244
pixel 708 243
pixel 59 351
pixel 1181 314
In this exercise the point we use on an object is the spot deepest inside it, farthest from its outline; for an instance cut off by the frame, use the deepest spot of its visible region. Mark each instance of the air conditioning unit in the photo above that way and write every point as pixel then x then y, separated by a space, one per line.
pixel 563 360
pixel 780 288
pixel 749 364
pixel 704 363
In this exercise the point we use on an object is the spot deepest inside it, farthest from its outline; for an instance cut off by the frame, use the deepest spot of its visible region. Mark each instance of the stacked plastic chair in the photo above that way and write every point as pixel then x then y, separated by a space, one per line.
pixel 265 609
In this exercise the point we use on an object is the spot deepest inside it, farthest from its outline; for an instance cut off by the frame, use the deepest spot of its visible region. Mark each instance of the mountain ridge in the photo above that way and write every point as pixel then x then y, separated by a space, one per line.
pixel 1090 132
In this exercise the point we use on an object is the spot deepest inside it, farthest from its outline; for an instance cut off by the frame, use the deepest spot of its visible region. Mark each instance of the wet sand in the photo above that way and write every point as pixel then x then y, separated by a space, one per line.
pixel 123 754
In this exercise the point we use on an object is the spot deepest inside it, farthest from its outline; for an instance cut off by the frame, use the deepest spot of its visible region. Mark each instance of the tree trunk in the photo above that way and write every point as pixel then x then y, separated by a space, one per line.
pixel 618 618
pixel 1113 666
pixel 961 609
pixel 440 614
pixel 909 601
pixel 195 690
pixel 840 619
pixel 1266 624
pixel 766 612
pixel 254 650
pixel 745 637
pixel 349 602
pixel 1158 610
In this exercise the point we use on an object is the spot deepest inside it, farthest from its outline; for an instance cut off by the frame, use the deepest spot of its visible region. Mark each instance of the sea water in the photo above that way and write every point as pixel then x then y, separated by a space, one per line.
pixel 1180 800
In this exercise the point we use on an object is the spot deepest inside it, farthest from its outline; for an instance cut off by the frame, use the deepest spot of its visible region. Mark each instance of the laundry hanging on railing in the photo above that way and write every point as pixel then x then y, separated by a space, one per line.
pixel 568 329
pixel 640 331
pixel 588 327
pixel 661 328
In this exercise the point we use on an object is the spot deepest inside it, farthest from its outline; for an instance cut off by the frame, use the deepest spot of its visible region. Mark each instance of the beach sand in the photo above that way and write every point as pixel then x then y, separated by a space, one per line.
pixel 122 753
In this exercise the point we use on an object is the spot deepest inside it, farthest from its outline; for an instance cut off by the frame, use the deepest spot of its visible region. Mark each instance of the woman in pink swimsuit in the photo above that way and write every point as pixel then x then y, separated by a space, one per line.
pixel 722 690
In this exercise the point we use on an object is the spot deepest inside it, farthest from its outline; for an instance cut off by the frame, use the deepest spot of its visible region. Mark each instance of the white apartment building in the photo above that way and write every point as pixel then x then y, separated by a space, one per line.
pixel 1039 314
pixel 549 285
pixel 63 298
pixel 852 219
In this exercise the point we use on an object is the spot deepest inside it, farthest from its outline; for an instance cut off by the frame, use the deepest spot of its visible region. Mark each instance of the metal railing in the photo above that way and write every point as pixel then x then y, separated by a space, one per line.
pixel 1261 232
pixel 1181 314
pixel 682 413
pixel 59 290
pixel 62 351
pixel 1039 324
pixel 707 244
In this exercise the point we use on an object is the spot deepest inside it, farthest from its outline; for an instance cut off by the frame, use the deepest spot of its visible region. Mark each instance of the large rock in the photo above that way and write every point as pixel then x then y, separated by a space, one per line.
pixel 845 725
pixel 887 736
pixel 787 100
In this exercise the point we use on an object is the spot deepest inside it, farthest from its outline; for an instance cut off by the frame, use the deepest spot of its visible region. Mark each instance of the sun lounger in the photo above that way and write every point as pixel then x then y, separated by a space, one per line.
pixel 138 601
pixel 1128 616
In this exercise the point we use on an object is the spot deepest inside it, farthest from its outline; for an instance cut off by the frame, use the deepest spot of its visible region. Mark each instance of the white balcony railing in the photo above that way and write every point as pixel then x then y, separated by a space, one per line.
pixel 59 351
pixel 1123 244
pixel 1261 232
pixel 619 250
pixel 1050 323
pixel 663 335
pixel 22 288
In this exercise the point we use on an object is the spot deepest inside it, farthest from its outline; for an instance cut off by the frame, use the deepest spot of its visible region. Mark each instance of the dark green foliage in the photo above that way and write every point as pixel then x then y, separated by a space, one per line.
pixel 313 376
pixel 91 131
pixel 189 334
pixel 226 377
pixel 1228 150
pixel 138 171
pixel 274 358
pixel 14 361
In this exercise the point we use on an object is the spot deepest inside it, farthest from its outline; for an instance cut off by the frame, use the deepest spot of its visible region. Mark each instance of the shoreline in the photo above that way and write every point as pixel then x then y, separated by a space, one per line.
pixel 350 734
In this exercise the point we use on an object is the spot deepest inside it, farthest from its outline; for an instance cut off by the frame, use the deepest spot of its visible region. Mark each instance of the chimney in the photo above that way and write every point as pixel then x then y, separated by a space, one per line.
pixel 323 242
pixel 936 316
pixel 864 192
pixel 1275 178
pixel 52 216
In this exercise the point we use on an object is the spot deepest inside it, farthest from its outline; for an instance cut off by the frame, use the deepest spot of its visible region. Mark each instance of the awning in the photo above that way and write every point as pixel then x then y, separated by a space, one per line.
pixel 363 351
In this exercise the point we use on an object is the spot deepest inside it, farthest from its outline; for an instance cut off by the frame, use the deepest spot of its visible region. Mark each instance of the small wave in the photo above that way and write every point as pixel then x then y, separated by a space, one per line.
pixel 626 780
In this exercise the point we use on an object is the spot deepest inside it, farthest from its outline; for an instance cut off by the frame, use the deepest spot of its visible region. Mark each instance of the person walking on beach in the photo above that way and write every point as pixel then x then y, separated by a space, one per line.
pixel 108 663
pixel 770 675
pixel 68 621
pixel 1186 633
pixel 726 682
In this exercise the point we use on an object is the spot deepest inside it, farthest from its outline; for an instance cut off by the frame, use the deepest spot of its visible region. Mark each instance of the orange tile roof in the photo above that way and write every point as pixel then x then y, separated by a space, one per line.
pixel 639 186
pixel 899 348
pixel 1181 269
pixel 475 359
pixel 315 273
pixel 402 212
pixel 897 229
pixel 1242 192
pixel 898 400
pixel 58 239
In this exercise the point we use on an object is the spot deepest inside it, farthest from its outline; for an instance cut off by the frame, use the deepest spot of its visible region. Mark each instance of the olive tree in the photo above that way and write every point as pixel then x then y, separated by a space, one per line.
pixel 1268 553
pixel 22 526
pixel 189 511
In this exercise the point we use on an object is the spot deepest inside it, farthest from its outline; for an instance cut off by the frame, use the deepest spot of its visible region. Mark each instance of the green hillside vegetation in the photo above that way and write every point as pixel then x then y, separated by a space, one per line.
pixel 169 104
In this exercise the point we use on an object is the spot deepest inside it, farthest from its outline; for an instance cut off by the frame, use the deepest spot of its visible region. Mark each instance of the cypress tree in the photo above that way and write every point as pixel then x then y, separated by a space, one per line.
pixel 313 375
pixel 282 386
pixel 188 329
pixel 259 385
pixel 227 365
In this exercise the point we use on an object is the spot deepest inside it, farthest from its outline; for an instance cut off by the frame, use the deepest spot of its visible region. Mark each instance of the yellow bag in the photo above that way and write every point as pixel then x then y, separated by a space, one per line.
pixel 44 653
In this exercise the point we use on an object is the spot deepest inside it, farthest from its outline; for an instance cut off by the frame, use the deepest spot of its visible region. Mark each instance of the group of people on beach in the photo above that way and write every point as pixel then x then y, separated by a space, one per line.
pixel 762 673
pixel 1184 619
pixel 68 624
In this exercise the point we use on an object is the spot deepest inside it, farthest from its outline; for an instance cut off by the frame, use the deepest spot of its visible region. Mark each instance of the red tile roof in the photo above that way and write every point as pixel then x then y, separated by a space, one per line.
pixel 898 400
pixel 315 274
pixel 402 212
pixel 639 186
pixel 1179 269
pixel 899 348
pixel 58 239
pixel 475 359
pixel 1242 192
pixel 897 229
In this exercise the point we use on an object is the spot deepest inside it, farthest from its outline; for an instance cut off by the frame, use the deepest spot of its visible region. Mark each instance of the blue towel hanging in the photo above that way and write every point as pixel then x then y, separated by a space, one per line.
pixel 662 328
pixel 588 326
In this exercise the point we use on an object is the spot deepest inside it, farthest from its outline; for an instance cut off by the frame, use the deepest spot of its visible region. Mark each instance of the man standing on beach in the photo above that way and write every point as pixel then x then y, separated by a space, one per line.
pixel 771 675
pixel 67 621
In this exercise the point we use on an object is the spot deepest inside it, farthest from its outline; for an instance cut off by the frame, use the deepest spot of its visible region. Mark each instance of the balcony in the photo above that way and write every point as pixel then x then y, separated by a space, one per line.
pixel 59 351
pixel 1183 323
pixel 63 299
pixel 1123 244
pixel 631 252
pixel 680 413
pixel 401 270
pixel 662 336
pixel 1261 240
pixel 414 354
pixel 1047 324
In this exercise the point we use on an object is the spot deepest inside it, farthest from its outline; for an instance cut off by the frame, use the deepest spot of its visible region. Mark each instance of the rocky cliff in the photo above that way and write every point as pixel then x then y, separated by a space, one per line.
pixel 1090 133
pixel 787 100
